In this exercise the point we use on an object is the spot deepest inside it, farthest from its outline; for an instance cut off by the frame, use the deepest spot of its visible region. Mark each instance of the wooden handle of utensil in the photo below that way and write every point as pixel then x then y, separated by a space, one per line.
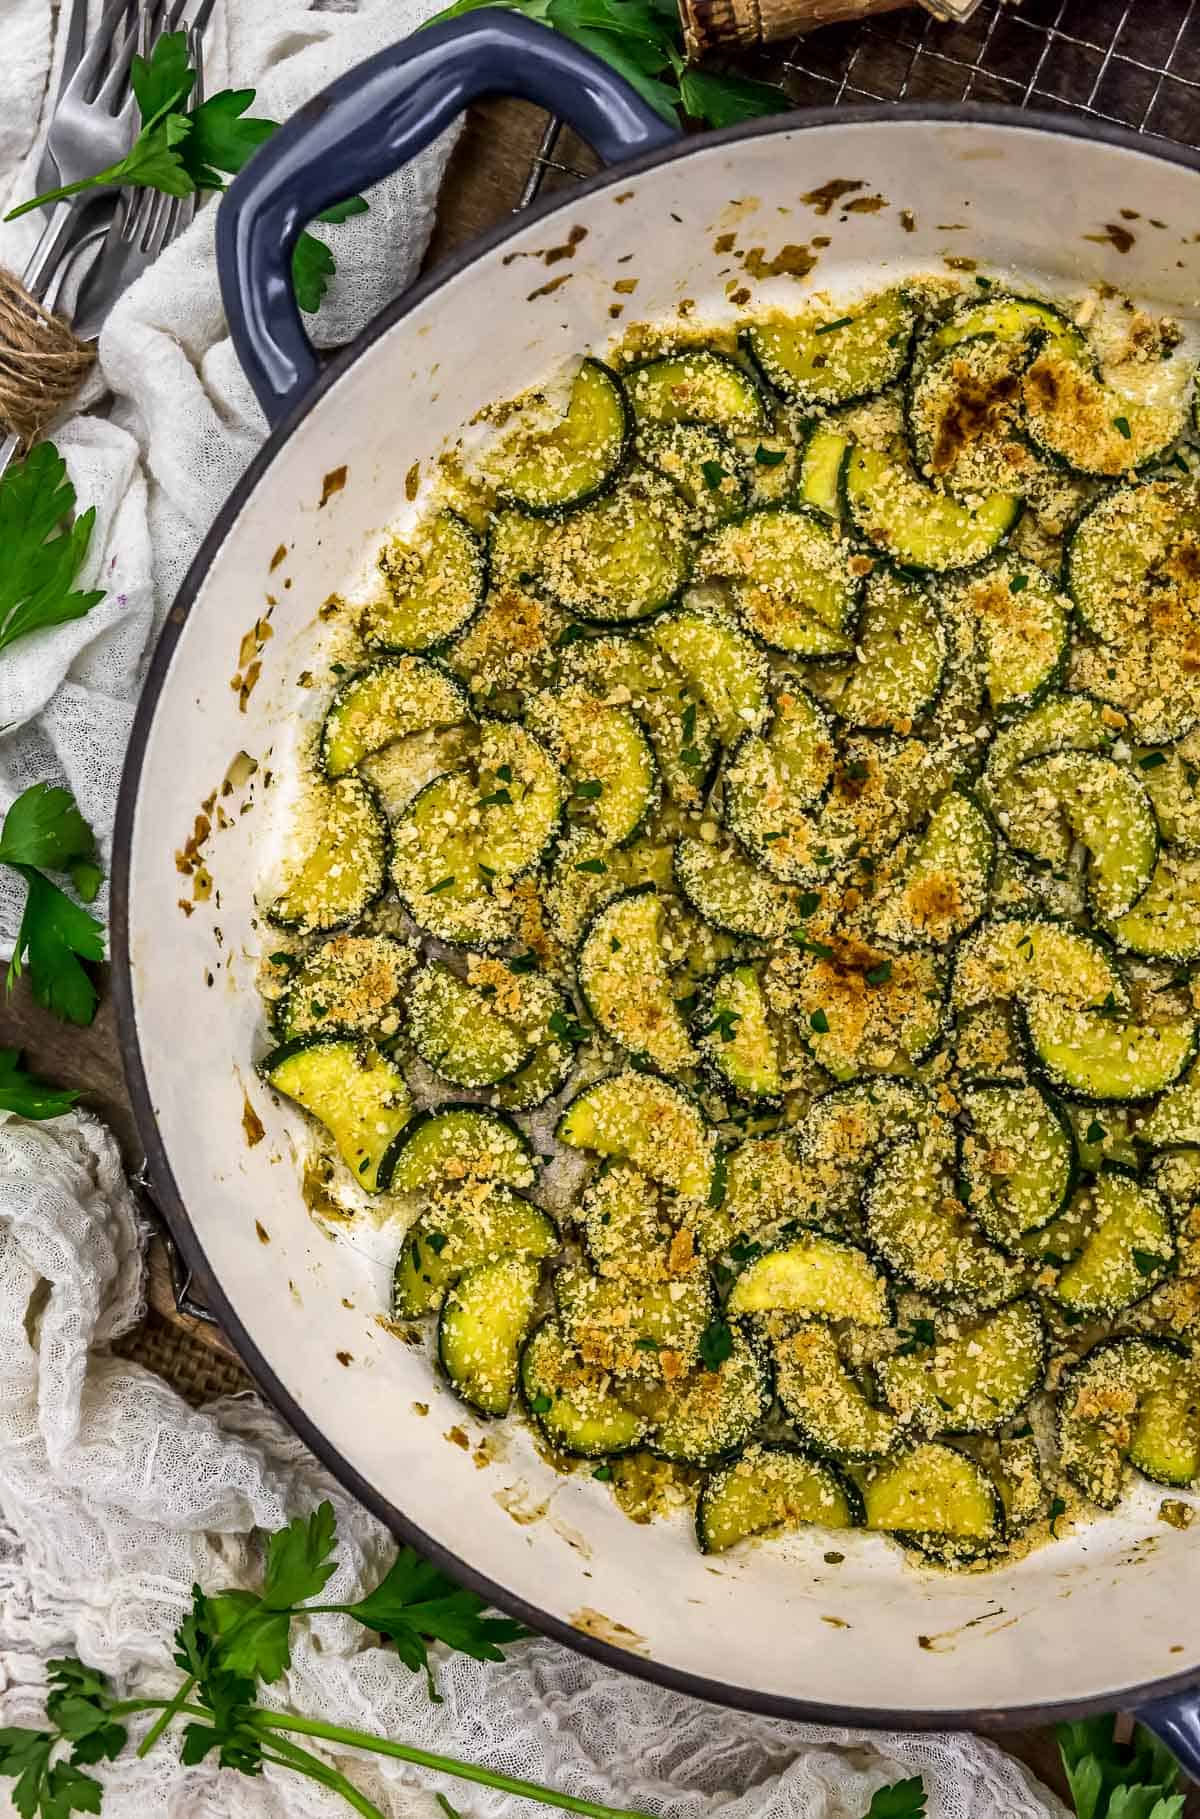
pixel 710 25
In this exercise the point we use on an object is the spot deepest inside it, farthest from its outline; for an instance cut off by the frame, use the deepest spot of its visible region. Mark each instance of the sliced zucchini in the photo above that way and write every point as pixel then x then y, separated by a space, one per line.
pixel 772 463
pixel 1176 1117
pixel 765 1189
pixel 1016 1467
pixel 607 759
pixel 1018 1159
pixel 794 585
pixel 1107 811
pixel 1164 923
pixel 1096 1057
pixel 1172 782
pixel 973 1379
pixel 825 357
pixel 845 1131
pixel 1098 1141
pixel 572 1402
pixel 624 978
pixel 820 1277
pixel 963 416
pixel 943 890
pixel 720 665
pixel 1129 1398
pixel 453 1144
pixel 624 557
pixel 987 1045
pixel 709 1415
pixel 515 545
pixel 1128 1249
pixel 548 1069
pixel 431 590
pixel 460 1029
pixel 730 892
pixel 1024 886
pixel 633 672
pixel 703 464
pixel 736 1037
pixel 938 1498
pixel 585 874
pixel 899 660
pixel 548 471
pixel 1059 723
pixel 917 1224
pixel 1023 956
pixel 1176 1175
pixel 349 983
pixel 387 701
pixel 354 1091
pixel 889 506
pixel 824 1402
pixel 772 1488
pixel 698 384
pixel 1023 623
pixel 467 835
pixel 774 781
pixel 651 1123
pixel 1008 318
pixel 653 1329
pixel 1072 416
pixel 508 652
pixel 866 1010
pixel 340 861
pixel 821 469
pixel 630 1227
pixel 481 1330
pixel 459 1233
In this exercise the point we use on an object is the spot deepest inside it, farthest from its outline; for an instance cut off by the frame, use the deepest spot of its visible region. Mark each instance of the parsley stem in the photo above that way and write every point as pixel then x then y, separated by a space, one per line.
pixel 443 1765
pixel 289 1755
pixel 60 195
pixel 165 1716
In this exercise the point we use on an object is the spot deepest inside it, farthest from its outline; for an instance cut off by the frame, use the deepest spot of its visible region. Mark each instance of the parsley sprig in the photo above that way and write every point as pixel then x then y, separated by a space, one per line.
pixel 233 1642
pixel 179 152
pixel 26 1095
pixel 643 41
pixel 44 829
pixel 43 554
pixel 1111 1780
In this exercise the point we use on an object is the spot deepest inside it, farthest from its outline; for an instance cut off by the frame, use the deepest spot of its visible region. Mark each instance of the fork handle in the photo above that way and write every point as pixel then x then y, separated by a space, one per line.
pixel 363 127
pixel 52 248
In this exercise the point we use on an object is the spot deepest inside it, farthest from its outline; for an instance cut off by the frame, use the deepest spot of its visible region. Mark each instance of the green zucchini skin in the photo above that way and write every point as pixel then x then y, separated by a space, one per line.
pixel 837 1486
pixel 607 480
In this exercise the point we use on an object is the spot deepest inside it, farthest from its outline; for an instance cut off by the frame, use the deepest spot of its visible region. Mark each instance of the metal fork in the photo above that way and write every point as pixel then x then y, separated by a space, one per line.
pixel 145 224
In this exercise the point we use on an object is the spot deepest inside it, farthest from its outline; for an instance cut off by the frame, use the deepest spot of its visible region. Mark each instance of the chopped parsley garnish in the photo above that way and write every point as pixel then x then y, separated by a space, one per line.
pixel 689 723
pixel 541 1404
pixel 1121 424
pixel 716 1192
pixel 1018 584
pixel 443 884
pixel 523 963
pixel 920 1333
pixel 570 634
pixel 716 1344
pixel 769 457
pixel 857 769
pixel 829 328
pixel 1095 1132
pixel 437 1242
pixel 597 866
pixel 1146 1262
pixel 588 789
pixel 713 473
pixel 820 949
pixel 602 1474
pixel 646 1344
pixel 1057 1509
pixel 724 1024
pixel 690 756
pixel 504 772
pixel 499 798
pixel 879 975
pixel 809 903
pixel 560 1024
pixel 819 1022
pixel 1151 761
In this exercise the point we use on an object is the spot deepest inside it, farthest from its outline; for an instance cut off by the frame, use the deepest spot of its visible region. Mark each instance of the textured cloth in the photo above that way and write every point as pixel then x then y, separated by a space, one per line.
pixel 114 1495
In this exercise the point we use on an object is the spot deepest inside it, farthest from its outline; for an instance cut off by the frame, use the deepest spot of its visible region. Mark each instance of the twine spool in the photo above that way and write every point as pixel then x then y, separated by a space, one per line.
pixel 42 362
pixel 715 25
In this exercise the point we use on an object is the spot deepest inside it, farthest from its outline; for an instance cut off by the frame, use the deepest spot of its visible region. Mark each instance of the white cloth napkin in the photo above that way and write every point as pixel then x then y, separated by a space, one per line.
pixel 114 1495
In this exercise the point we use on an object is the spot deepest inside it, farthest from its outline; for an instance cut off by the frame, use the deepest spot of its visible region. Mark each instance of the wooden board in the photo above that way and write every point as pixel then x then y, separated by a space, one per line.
pixel 487 173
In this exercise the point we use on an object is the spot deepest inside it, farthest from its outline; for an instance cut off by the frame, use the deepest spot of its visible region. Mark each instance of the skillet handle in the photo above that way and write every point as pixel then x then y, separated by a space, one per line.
pixel 1175 1721
pixel 362 128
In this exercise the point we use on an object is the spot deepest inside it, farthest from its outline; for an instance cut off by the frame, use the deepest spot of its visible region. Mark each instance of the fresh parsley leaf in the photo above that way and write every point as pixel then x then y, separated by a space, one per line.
pixel 299 1563
pixel 879 975
pixel 1121 424
pixel 162 82
pixel 716 1344
pixel 44 827
pixel 809 903
pixel 25 1094
pixel 414 1602
pixel 819 1022
pixel 54 937
pixel 603 1474
pixel 1095 1132
pixel 1109 1779
pixel 522 963
pixel 1152 761
pixel 588 789
pixel 42 556
pixel 253 1640
pixel 720 1175
pixel 902 1800
pixel 723 99
pixel 830 328
pixel 561 1025
pixel 592 865
pixel 1018 584
pixel 724 1024
pixel 223 137
pixel 769 457
pixel 312 268
pixel 1146 1262
pixel 713 473
pixel 920 1333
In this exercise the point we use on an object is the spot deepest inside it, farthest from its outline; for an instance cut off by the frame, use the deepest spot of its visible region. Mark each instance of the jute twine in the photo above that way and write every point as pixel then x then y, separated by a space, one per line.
pixel 42 362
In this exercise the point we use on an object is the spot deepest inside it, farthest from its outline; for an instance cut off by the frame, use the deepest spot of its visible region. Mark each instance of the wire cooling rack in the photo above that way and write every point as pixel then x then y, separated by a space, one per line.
pixel 1133 62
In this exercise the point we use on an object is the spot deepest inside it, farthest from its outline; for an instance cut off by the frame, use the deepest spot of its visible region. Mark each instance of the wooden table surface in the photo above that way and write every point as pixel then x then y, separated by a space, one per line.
pixel 487 172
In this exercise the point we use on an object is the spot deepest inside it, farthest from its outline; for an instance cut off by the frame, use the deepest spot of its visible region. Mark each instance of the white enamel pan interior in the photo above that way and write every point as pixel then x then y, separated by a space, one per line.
pixel 1088 1623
